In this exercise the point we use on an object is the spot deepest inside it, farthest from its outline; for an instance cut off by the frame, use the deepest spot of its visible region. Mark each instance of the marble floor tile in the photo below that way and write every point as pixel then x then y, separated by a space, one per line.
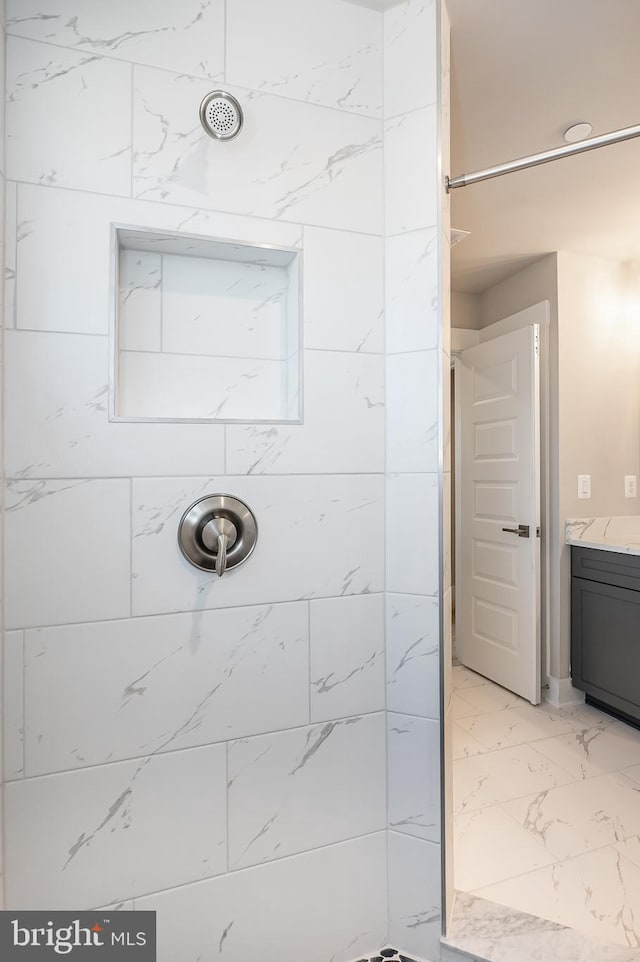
pixel 584 818
pixel 460 707
pixel 597 893
pixel 487 697
pixel 465 678
pixel 594 751
pixel 489 847
pixel 633 772
pixel 630 848
pixel 498 933
pixel 581 817
pixel 520 725
pixel 464 745
pixel 496 777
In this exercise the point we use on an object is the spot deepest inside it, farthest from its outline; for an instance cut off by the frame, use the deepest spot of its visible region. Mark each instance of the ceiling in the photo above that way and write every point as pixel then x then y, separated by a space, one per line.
pixel 522 72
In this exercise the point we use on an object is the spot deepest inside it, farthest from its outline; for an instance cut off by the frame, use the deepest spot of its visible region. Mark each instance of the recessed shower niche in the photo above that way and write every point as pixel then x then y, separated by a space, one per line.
pixel 204 329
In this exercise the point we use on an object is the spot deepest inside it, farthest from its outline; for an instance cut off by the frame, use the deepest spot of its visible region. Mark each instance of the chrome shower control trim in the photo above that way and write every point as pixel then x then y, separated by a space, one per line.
pixel 217 533
pixel 221 115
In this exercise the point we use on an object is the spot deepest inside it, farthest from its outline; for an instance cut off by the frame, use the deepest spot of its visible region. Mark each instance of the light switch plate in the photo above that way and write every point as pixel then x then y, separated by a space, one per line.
pixel 631 485
pixel 584 485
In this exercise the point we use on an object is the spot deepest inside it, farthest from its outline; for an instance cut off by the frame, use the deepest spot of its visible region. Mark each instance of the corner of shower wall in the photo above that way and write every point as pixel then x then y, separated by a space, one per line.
pixel 444 299
pixel 3 45
pixel 416 578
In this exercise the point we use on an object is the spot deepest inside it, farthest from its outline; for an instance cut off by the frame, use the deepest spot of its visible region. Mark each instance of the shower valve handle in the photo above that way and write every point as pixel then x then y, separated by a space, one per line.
pixel 221 557
pixel 219 534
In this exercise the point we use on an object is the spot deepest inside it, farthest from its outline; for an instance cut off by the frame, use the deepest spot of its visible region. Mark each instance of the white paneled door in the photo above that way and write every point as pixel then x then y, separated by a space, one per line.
pixel 498 569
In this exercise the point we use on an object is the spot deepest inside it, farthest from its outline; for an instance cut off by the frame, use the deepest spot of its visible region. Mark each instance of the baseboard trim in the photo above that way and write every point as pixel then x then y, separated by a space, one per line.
pixel 560 692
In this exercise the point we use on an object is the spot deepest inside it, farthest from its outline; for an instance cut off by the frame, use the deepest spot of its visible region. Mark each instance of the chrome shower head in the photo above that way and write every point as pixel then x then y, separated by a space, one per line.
pixel 221 115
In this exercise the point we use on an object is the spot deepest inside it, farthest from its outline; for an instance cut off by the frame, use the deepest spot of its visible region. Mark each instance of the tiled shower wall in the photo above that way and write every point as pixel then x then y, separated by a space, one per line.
pixel 2 249
pixel 413 318
pixel 218 748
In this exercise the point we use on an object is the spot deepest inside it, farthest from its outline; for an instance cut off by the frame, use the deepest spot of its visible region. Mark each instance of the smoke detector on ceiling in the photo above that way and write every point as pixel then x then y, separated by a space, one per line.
pixel 577 132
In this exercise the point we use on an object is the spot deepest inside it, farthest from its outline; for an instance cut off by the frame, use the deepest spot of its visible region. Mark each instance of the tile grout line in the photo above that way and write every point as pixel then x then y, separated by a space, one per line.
pixel 168 205
pixel 212 79
pixel 309 659
pixel 130 548
pixel 157 754
pixel 558 862
pixel 188 611
pixel 310 350
pixel 249 868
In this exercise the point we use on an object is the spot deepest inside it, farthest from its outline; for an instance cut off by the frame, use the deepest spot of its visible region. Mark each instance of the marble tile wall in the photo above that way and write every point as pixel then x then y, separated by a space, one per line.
pixel 413 458
pixel 173 741
pixel 204 337
pixel 5 652
pixel 218 739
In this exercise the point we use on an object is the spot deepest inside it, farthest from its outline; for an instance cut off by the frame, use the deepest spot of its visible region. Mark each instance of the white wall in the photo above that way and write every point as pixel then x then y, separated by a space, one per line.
pixel 593 399
pixel 599 399
pixel 465 311
pixel 217 748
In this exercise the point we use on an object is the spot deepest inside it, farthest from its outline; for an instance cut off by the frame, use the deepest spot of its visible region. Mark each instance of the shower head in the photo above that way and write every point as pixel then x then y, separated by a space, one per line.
pixel 221 115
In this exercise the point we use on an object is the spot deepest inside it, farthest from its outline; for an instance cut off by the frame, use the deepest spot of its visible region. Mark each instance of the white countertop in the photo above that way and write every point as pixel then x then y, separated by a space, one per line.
pixel 620 534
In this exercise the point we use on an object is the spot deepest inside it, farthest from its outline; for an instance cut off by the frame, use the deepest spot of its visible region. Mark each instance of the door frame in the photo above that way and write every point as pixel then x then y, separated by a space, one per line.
pixel 539 314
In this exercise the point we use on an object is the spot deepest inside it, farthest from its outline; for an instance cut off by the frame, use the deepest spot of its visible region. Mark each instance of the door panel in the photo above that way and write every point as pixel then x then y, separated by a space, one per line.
pixel 498 591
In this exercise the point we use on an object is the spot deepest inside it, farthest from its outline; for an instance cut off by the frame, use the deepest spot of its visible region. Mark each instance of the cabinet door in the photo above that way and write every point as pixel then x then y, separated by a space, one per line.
pixel 605 643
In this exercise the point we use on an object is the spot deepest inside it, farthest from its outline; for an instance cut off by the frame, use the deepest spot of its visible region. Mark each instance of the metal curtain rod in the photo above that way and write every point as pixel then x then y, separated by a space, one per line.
pixel 615 137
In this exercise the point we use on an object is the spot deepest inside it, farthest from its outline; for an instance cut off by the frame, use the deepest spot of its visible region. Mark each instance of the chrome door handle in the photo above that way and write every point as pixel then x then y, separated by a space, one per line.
pixel 522 530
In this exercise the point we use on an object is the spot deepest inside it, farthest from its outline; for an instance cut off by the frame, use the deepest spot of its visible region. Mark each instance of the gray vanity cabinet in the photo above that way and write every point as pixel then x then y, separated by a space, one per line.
pixel 605 629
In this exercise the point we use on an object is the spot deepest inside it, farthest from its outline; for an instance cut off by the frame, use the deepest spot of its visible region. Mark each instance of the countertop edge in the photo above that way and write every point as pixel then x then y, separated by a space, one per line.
pixel 605 546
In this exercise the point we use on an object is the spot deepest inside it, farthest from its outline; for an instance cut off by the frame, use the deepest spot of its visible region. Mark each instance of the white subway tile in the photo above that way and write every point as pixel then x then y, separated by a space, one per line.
pixel 414 776
pixel 411 275
pixel 186 36
pixel 152 385
pixel 412 412
pixel 347 656
pixel 327 904
pixel 412 561
pixel 413 655
pixel 410 54
pixel 57 419
pixel 140 301
pixel 414 895
pixel 343 291
pixel 10 245
pixel 298 790
pixel 224 308
pixel 65 241
pixel 13 705
pixel 292 160
pixel 68 118
pixel 242 672
pixel 67 551
pixel 328 53
pixel 412 191
pixel 343 400
pixel 318 537
pixel 132 828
